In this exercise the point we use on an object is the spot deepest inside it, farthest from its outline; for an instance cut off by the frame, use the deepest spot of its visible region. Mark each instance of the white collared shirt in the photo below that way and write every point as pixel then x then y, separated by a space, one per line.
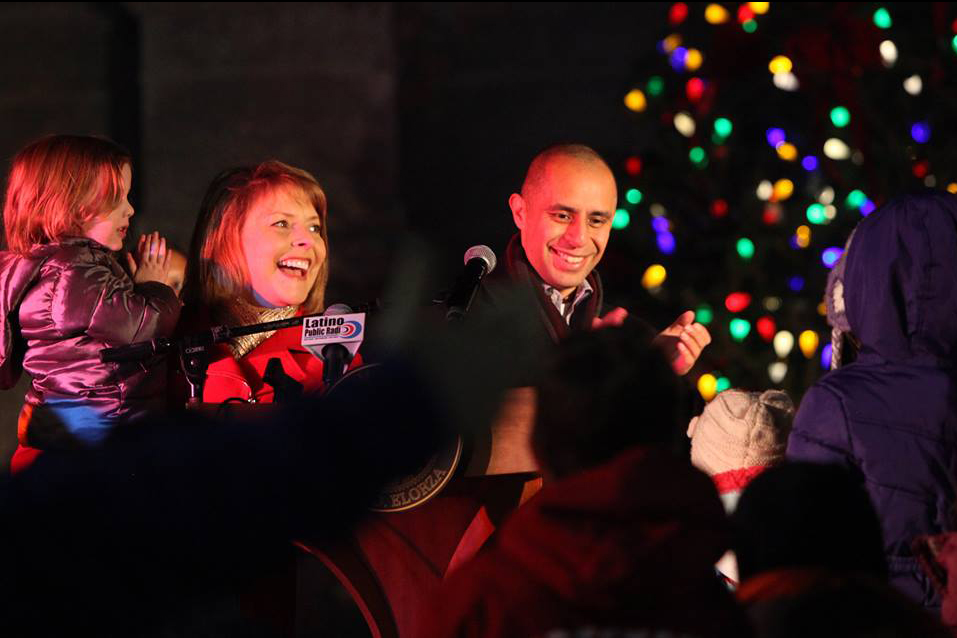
pixel 566 307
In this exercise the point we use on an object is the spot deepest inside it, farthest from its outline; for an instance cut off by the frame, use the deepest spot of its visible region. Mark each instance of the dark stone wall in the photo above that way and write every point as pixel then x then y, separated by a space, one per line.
pixel 311 84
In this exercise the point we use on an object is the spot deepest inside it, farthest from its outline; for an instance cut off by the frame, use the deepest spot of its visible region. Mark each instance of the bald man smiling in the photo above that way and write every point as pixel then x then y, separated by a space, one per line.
pixel 564 213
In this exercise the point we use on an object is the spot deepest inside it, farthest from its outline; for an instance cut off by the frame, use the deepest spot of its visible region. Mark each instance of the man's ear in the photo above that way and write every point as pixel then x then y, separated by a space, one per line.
pixel 517 203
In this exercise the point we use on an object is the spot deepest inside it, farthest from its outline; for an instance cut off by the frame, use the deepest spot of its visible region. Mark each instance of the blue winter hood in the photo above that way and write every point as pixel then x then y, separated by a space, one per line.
pixel 900 283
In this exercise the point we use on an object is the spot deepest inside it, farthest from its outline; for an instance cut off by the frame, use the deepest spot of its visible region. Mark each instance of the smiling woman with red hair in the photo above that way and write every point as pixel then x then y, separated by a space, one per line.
pixel 259 253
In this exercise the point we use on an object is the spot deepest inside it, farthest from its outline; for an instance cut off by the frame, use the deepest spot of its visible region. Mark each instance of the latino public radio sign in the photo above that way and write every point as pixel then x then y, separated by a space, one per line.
pixel 321 330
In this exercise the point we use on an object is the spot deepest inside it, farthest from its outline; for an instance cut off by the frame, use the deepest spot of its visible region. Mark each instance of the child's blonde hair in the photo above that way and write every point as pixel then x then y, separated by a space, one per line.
pixel 59 183
pixel 216 268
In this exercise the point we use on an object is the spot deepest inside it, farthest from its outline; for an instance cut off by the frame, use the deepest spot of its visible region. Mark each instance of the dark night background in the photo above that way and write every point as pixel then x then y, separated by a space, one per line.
pixel 421 118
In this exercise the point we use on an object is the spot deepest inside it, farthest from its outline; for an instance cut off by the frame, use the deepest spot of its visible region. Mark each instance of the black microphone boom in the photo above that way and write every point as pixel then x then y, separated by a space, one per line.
pixel 479 261
pixel 335 356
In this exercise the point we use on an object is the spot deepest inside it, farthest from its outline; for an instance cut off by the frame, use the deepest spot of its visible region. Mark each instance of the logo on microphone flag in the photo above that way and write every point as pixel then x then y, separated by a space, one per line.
pixel 320 330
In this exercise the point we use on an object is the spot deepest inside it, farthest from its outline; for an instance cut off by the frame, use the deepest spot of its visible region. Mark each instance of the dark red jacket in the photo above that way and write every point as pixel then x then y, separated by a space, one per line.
pixel 630 545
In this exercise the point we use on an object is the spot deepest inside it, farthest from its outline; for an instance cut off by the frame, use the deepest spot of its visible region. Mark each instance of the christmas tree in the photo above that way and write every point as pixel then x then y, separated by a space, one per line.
pixel 762 135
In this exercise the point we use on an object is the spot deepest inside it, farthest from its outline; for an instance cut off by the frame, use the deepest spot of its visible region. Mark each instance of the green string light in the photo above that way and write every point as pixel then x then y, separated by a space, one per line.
pixel 882 18
pixel 656 85
pixel 750 26
pixel 698 157
pixel 724 383
pixel 723 127
pixel 633 196
pixel 739 329
pixel 745 248
pixel 816 214
pixel 621 220
pixel 703 314
pixel 855 199
pixel 840 116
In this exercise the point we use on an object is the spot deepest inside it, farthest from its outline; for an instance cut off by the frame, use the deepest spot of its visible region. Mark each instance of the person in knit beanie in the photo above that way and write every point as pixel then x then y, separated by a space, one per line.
pixel 738 436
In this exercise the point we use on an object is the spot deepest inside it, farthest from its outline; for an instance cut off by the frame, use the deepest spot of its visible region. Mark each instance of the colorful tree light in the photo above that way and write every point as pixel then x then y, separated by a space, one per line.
pixel 808 342
pixel 760 8
pixel 855 199
pixel 666 243
pixel 716 14
pixel 766 328
pixel 771 214
pixel 703 314
pixel 772 304
pixel 670 43
pixel 632 166
pixel 787 151
pixel 745 14
pixel 775 137
pixel 840 116
pixel 831 255
pixel 815 213
pixel 780 64
pixel 677 58
pixel 635 101
pixel 765 190
pixel 684 123
pixel 621 219
pixel 677 13
pixel 724 383
pixel 809 163
pixel 796 283
pixel 920 131
pixel 777 371
pixel 654 276
pixel 694 89
pixel 707 386
pixel 921 169
pixel 737 301
pixel 783 343
pixel 694 60
pixel 750 26
pixel 661 224
pixel 867 208
pixel 783 189
pixel 836 149
pixel 745 248
pixel 786 81
pixel 882 19
pixel 656 85
pixel 953 43
pixel 633 196
pixel 723 127
pixel 888 53
pixel 739 328
pixel 698 157
pixel 826 352
pixel 914 85
pixel 719 208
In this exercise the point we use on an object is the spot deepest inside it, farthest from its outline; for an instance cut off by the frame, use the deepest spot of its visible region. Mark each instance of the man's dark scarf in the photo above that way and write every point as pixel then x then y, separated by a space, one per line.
pixel 520 271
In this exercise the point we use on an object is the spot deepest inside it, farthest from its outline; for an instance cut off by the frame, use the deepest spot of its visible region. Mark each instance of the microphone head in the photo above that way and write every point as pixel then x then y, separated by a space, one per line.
pixel 484 253
pixel 338 309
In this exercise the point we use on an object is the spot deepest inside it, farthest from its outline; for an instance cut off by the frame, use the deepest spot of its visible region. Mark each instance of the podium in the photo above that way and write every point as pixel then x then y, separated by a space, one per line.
pixel 395 559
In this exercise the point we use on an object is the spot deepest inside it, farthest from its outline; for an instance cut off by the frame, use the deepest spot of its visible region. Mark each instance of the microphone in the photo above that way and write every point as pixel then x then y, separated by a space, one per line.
pixel 334 337
pixel 335 355
pixel 479 261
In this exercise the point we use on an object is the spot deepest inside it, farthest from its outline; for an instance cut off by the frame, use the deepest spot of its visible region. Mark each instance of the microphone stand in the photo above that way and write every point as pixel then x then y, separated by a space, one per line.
pixel 193 350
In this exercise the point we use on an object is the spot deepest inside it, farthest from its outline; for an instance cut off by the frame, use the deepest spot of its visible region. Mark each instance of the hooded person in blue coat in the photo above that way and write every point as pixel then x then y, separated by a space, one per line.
pixel 891 414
